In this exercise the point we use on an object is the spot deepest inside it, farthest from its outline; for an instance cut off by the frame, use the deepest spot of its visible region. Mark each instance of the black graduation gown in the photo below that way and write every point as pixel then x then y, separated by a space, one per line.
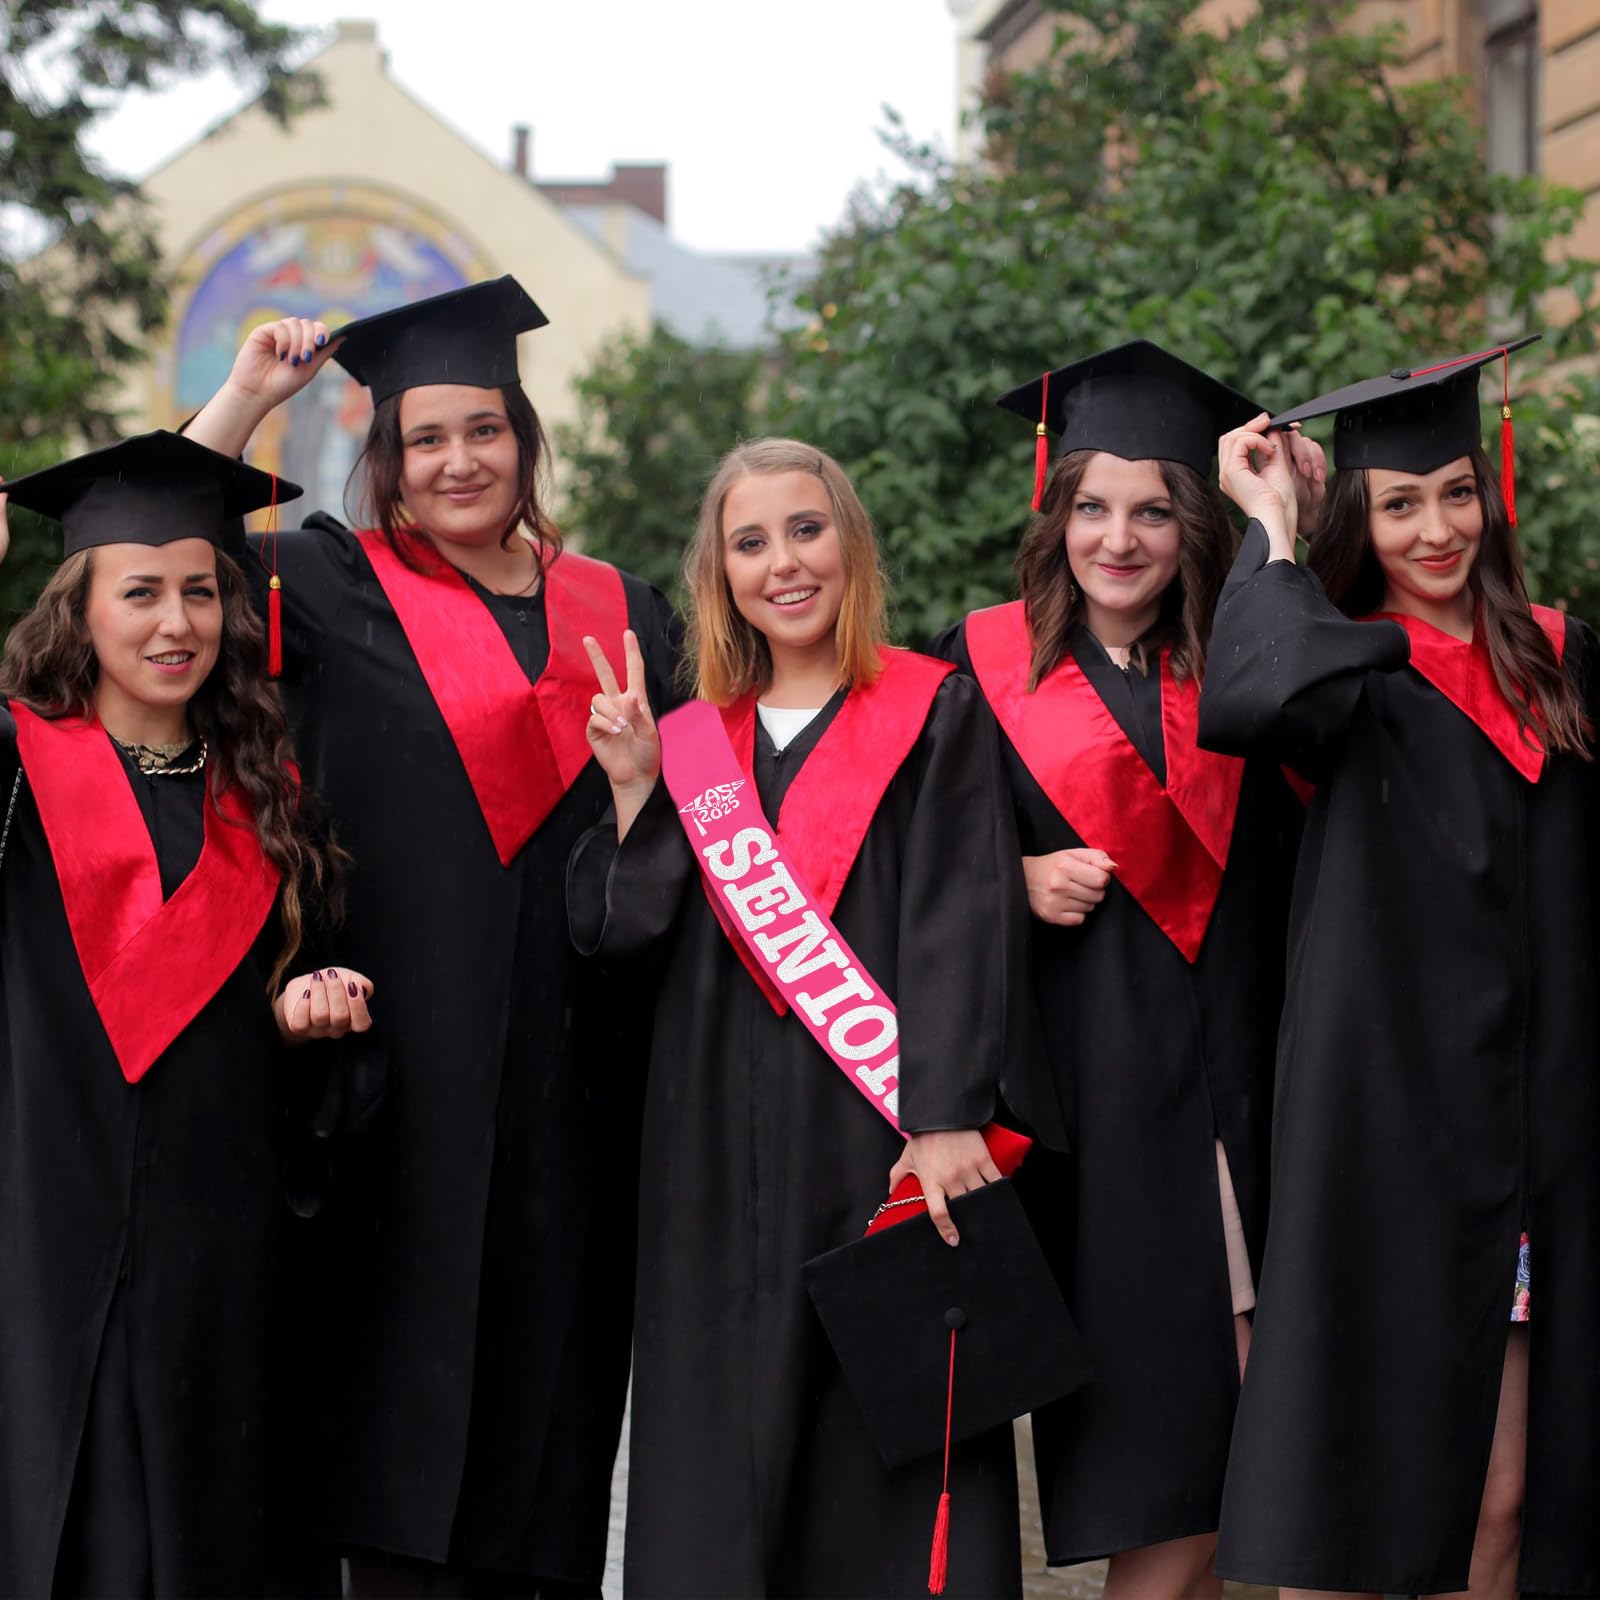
pixel 1437 1092
pixel 468 1308
pixel 1148 1061
pixel 139 1233
pixel 750 1470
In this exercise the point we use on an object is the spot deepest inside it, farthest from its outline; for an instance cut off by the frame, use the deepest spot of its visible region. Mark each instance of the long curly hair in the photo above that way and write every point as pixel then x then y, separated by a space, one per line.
pixel 1183 625
pixel 1547 701
pixel 382 506
pixel 50 666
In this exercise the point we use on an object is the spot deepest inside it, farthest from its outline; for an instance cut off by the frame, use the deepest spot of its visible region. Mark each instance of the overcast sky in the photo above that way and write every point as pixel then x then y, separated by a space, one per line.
pixel 766 110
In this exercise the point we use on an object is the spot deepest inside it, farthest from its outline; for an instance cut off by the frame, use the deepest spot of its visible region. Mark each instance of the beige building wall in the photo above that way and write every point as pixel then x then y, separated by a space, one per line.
pixel 376 154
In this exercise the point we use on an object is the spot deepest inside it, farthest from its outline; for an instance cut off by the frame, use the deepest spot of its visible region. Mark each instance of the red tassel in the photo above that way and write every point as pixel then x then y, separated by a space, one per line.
pixel 1508 445
pixel 275 626
pixel 1041 446
pixel 939 1563
pixel 274 588
pixel 939 1557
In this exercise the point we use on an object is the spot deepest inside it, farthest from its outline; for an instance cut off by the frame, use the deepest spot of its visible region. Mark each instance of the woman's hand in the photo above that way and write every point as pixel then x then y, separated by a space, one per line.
pixel 1066 885
pixel 948 1164
pixel 1310 468
pixel 5 527
pixel 622 732
pixel 1255 472
pixel 277 360
pixel 323 1005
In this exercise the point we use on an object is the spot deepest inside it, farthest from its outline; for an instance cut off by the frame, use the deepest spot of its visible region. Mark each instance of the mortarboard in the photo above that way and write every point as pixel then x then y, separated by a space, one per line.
pixel 153 489
pixel 1136 401
pixel 1416 420
pixel 464 336
pixel 898 1306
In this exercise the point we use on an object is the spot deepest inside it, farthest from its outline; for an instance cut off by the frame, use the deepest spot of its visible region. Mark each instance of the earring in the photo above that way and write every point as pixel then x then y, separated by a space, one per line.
pixel 1072 593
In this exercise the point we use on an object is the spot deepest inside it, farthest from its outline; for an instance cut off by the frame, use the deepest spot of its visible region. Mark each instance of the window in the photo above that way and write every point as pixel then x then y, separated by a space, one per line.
pixel 1511 84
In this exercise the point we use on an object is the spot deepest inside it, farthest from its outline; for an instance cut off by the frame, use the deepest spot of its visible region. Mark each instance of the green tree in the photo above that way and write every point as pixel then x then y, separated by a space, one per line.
pixel 1268 202
pixel 81 284
pixel 655 415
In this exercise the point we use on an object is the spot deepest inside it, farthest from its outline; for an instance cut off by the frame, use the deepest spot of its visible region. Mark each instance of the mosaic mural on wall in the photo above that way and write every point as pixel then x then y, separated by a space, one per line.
pixel 333 255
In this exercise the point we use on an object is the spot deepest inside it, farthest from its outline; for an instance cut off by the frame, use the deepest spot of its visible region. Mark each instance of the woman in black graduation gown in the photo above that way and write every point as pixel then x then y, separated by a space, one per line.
pixel 472 1307
pixel 1438 1102
pixel 751 1471
pixel 1158 879
pixel 152 860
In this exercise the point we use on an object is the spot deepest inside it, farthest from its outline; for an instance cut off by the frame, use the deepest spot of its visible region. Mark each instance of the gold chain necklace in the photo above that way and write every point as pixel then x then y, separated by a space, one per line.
pixel 156 760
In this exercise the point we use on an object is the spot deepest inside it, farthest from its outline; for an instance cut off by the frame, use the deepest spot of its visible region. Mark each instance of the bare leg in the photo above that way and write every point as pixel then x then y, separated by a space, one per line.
pixel 1178 1569
pixel 1325 1594
pixel 1499 1538
pixel 1241 1340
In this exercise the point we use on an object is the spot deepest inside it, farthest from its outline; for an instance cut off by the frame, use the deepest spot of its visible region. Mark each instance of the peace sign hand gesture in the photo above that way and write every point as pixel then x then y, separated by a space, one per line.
pixel 622 730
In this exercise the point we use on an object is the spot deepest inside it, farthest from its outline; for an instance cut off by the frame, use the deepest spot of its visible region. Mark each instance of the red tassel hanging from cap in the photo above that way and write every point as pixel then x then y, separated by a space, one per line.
pixel 275 626
pixel 1508 446
pixel 1041 446
pixel 939 1558
pixel 274 588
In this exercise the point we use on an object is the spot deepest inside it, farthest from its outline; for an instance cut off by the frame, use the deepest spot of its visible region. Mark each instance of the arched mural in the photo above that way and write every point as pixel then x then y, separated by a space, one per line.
pixel 335 254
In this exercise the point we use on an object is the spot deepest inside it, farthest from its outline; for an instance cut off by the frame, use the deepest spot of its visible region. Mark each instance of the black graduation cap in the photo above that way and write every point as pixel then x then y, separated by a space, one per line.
pixel 889 1303
pixel 1409 420
pixel 464 336
pixel 153 489
pixel 1136 401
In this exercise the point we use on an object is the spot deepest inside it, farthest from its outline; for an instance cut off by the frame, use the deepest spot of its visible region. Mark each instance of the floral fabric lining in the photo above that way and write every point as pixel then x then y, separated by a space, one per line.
pixel 1522 1291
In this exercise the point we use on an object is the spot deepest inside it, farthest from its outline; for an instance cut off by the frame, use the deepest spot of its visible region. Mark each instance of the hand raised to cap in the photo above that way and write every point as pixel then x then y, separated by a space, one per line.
pixel 279 359
pixel 1254 470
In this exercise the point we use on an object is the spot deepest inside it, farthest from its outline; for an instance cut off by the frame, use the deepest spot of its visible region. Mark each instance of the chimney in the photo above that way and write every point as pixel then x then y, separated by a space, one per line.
pixel 643 185
pixel 521 141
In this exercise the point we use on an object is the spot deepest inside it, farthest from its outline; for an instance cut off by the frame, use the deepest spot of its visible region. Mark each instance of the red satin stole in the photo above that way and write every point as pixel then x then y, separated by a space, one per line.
pixel 151 965
pixel 1462 672
pixel 522 744
pixel 829 806
pixel 1170 844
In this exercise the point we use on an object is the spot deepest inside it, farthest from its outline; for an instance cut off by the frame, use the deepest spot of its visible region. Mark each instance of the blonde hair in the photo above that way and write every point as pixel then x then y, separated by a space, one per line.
pixel 727 655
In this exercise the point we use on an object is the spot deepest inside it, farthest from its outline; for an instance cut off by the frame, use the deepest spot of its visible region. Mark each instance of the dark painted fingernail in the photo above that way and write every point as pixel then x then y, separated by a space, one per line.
pixel 317 975
pixel 332 975
pixel 294 361
pixel 322 339
pixel 282 354
pixel 306 995
pixel 352 988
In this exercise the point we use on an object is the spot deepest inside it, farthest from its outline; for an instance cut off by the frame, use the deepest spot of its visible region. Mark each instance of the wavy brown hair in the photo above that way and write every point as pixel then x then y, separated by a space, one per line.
pixel 1547 700
pixel 383 456
pixel 1183 624
pixel 50 666
pixel 727 655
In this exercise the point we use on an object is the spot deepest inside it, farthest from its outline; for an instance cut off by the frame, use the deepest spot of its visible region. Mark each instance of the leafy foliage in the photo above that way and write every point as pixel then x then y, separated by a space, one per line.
pixel 1269 203
pixel 80 274
pixel 656 414
pixel 1272 203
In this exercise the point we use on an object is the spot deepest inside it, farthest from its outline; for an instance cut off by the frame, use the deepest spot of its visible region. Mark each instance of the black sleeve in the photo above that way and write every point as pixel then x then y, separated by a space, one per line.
pixel 961 984
pixel 623 898
pixel 1286 669
pixel 950 644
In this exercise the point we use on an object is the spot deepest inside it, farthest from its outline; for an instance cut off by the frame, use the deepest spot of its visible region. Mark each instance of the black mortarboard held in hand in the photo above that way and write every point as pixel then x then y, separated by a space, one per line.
pixel 897 1304
pixel 1136 401
pixel 464 336
pixel 155 489
pixel 1417 419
